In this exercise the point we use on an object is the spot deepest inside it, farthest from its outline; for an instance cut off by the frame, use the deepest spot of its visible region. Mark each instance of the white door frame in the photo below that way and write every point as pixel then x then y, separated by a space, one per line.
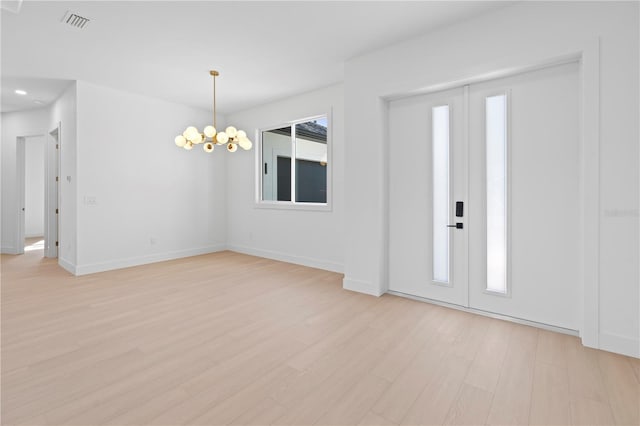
pixel 52 192
pixel 588 55
pixel 20 180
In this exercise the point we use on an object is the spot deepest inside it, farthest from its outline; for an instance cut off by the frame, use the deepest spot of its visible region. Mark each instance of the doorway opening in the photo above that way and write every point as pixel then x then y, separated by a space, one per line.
pixel 31 171
pixel 37 166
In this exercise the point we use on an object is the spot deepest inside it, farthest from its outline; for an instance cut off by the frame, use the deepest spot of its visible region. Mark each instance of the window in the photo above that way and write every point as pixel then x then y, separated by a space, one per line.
pixel 441 189
pixel 305 181
pixel 496 146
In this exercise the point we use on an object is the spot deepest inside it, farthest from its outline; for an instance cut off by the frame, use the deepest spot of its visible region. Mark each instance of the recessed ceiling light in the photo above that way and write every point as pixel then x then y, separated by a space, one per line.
pixel 38 101
pixel 20 92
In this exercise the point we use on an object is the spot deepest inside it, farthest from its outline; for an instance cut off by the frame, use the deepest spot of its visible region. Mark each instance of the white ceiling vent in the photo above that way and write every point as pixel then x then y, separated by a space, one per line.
pixel 75 20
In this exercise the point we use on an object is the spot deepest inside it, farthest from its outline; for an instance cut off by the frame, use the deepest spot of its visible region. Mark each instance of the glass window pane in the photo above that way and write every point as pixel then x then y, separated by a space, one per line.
pixel 441 204
pixel 276 164
pixel 311 161
pixel 496 146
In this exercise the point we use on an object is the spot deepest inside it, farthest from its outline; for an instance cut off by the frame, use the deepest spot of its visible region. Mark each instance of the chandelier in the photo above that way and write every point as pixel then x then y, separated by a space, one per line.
pixel 231 137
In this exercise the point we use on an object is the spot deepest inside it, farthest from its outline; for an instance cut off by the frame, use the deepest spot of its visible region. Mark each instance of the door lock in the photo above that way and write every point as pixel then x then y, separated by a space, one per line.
pixel 458 225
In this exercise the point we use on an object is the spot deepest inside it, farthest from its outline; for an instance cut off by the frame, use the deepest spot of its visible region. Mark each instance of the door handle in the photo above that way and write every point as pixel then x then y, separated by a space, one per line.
pixel 458 225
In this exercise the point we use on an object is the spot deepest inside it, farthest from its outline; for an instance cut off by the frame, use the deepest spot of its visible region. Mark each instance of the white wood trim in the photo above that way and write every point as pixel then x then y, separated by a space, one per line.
pixel 67 266
pixel 529 65
pixel 620 344
pixel 143 260
pixel 464 163
pixel 385 178
pixel 487 313
pixel 20 185
pixel 590 190
pixel 288 205
pixel 327 265
pixel 52 192
pixel 361 287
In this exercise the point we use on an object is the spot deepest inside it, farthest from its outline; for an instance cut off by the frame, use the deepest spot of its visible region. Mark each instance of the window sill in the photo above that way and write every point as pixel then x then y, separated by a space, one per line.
pixel 284 205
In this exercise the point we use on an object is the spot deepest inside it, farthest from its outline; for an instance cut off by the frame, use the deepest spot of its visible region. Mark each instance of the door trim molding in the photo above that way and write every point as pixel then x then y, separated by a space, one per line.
pixel 590 191
pixel 52 197
pixel 21 167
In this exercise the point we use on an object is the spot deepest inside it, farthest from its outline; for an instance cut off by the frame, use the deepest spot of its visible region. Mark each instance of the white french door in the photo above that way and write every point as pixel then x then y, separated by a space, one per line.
pixel 507 174
pixel 428 175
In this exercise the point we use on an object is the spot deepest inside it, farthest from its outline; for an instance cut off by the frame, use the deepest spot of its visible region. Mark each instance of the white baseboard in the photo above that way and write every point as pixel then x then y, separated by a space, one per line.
pixel 620 344
pixel 361 287
pixel 67 266
pixel 143 260
pixel 8 250
pixel 327 265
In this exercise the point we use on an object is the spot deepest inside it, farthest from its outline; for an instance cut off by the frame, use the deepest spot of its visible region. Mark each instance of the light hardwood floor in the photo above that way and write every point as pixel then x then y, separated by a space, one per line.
pixel 234 339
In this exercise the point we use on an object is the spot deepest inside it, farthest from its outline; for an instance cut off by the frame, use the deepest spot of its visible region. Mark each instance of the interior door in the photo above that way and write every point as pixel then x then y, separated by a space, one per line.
pixel 54 179
pixel 514 163
pixel 524 196
pixel 428 175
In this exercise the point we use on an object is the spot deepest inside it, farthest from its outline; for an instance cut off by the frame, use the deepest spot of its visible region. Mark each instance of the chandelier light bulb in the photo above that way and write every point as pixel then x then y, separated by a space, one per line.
pixel 198 138
pixel 245 143
pixel 210 131
pixel 208 147
pixel 231 131
pixel 222 138
pixel 180 141
pixel 188 146
pixel 191 133
pixel 232 147
pixel 241 134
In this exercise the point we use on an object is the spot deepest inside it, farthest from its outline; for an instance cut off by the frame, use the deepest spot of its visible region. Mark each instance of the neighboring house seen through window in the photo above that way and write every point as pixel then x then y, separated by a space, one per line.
pixel 304 180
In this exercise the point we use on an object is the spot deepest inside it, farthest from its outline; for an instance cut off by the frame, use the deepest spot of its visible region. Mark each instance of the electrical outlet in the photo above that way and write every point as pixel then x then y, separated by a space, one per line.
pixel 90 200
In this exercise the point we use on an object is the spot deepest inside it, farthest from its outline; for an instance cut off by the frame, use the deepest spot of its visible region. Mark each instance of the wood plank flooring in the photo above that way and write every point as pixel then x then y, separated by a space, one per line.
pixel 233 339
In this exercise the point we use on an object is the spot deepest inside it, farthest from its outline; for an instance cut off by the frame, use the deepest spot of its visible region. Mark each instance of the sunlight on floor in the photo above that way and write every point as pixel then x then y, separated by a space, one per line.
pixel 34 245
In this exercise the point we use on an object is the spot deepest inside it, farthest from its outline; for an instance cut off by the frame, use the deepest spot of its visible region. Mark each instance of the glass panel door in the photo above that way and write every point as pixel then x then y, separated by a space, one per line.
pixel 427 252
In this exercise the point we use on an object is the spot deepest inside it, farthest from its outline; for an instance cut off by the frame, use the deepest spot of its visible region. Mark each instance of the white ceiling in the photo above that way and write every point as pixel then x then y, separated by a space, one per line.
pixel 264 50
pixel 40 92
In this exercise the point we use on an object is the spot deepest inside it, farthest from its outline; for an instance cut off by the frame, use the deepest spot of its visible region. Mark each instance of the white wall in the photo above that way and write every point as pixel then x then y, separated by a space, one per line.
pixel 497 41
pixel 16 124
pixel 140 198
pixel 34 187
pixel 313 238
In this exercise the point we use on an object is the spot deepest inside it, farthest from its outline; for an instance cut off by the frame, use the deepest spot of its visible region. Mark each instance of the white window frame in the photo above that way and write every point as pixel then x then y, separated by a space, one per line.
pixel 293 205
